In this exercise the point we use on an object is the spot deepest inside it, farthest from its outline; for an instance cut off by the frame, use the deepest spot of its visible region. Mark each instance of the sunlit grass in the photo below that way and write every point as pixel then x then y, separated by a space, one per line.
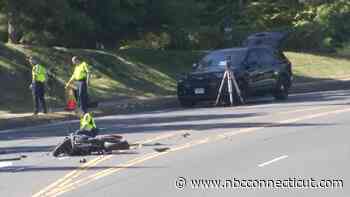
pixel 319 66
pixel 132 73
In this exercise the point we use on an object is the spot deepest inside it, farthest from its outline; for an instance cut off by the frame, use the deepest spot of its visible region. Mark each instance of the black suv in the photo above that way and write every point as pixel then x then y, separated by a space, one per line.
pixel 260 68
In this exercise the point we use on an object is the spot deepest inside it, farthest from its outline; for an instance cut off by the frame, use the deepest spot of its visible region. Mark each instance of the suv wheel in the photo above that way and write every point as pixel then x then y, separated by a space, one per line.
pixel 186 103
pixel 282 89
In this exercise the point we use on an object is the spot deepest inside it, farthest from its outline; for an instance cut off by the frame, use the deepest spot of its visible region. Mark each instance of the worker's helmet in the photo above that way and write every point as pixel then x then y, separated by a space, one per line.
pixel 75 59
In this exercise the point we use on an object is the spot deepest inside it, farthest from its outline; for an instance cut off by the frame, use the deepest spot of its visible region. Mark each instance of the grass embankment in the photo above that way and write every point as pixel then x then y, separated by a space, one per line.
pixel 313 67
pixel 129 73
pixel 121 74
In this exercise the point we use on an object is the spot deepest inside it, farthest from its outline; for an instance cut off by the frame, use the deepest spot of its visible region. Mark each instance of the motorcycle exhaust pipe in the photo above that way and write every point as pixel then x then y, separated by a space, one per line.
pixel 122 145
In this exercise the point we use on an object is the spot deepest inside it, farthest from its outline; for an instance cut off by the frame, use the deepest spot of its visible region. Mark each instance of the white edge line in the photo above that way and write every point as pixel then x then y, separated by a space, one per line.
pixel 273 161
pixel 63 158
pixel 5 164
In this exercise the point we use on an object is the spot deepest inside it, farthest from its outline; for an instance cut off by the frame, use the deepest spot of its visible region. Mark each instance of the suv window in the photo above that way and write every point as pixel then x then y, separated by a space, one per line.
pixel 265 57
pixel 253 58
pixel 216 60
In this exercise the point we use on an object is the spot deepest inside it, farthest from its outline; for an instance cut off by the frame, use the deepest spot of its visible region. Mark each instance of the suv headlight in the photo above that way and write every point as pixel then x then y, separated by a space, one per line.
pixel 182 79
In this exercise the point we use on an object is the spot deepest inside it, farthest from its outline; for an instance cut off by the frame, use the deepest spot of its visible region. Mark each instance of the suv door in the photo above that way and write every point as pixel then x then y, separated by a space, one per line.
pixel 252 68
pixel 267 67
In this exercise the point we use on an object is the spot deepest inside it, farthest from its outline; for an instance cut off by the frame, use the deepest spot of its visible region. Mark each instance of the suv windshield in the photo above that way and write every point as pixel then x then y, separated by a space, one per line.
pixel 217 60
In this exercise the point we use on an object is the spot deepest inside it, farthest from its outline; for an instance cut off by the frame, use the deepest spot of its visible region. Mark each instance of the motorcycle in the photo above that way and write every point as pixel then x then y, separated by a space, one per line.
pixel 78 145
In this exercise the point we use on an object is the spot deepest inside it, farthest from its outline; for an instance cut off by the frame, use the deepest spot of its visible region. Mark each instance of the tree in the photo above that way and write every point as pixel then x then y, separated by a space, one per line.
pixel 11 9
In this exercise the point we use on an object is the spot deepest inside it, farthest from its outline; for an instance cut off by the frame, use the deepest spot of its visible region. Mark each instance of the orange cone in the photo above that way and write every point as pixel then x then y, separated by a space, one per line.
pixel 71 104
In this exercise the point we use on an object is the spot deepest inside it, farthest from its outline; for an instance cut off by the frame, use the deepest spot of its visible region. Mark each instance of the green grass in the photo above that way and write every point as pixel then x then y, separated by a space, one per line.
pixel 310 67
pixel 131 73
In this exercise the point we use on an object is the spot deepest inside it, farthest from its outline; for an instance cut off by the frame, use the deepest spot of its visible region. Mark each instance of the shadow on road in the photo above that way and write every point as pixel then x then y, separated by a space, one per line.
pixel 24 149
pixel 115 125
pixel 203 127
pixel 311 99
pixel 160 121
pixel 148 128
pixel 22 169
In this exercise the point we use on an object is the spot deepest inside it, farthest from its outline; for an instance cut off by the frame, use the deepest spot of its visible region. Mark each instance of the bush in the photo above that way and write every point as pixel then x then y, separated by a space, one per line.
pixel 306 36
pixel 335 18
pixel 149 40
pixel 324 27
pixel 209 38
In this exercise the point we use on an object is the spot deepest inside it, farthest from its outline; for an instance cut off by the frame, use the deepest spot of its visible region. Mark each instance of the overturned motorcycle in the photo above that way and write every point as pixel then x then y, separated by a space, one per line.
pixel 74 145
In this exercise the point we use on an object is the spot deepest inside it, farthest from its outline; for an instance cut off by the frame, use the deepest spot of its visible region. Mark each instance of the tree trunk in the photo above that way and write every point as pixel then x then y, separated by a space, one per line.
pixel 240 4
pixel 13 33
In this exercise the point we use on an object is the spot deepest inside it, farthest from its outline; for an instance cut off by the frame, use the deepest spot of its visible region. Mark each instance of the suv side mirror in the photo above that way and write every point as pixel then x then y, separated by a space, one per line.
pixel 194 66
pixel 180 76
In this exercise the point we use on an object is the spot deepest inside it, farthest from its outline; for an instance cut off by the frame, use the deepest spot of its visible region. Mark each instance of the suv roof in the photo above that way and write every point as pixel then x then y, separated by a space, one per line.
pixel 271 39
pixel 231 49
pixel 242 49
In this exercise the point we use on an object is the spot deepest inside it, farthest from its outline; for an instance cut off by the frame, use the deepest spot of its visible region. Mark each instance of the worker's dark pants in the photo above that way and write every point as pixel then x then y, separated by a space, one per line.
pixel 82 95
pixel 38 90
pixel 92 133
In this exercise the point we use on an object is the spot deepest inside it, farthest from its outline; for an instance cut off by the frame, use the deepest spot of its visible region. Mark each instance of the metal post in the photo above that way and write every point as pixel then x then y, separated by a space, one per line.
pixel 229 83
pixel 230 80
pixel 239 93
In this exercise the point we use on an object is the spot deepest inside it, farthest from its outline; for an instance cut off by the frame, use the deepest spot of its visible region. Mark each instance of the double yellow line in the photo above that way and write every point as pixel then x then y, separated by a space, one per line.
pixel 63 182
pixel 67 183
pixel 75 173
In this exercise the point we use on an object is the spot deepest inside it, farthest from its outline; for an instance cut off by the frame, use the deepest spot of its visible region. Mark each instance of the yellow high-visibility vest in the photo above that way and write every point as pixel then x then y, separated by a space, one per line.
pixel 39 73
pixel 80 71
pixel 87 122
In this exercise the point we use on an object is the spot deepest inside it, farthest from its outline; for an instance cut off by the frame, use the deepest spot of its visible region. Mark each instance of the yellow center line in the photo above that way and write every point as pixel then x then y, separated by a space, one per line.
pixel 67 179
pixel 165 136
pixel 75 173
pixel 82 171
pixel 67 176
pixel 81 181
pixel 188 145
pixel 303 110
pixel 161 137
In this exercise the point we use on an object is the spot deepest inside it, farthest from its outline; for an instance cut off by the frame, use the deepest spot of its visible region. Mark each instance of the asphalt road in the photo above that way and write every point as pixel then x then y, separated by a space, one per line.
pixel 294 148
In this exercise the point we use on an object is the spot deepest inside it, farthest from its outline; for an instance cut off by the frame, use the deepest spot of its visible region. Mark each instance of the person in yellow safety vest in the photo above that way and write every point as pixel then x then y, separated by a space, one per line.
pixel 87 126
pixel 80 76
pixel 38 85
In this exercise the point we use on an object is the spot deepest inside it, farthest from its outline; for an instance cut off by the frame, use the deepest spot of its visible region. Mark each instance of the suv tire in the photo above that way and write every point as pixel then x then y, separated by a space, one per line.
pixel 282 89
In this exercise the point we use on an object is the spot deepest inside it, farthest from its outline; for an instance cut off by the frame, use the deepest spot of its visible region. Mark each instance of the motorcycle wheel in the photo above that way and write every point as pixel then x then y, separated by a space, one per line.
pixel 64 147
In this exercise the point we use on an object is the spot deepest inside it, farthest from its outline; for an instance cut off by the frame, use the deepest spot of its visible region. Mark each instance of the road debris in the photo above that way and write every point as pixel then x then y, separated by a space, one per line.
pixel 162 149
pixel 11 159
pixel 185 135
pixel 20 169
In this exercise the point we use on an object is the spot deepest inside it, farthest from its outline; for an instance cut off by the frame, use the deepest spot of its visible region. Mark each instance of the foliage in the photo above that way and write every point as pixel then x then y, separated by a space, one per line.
pixel 183 24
